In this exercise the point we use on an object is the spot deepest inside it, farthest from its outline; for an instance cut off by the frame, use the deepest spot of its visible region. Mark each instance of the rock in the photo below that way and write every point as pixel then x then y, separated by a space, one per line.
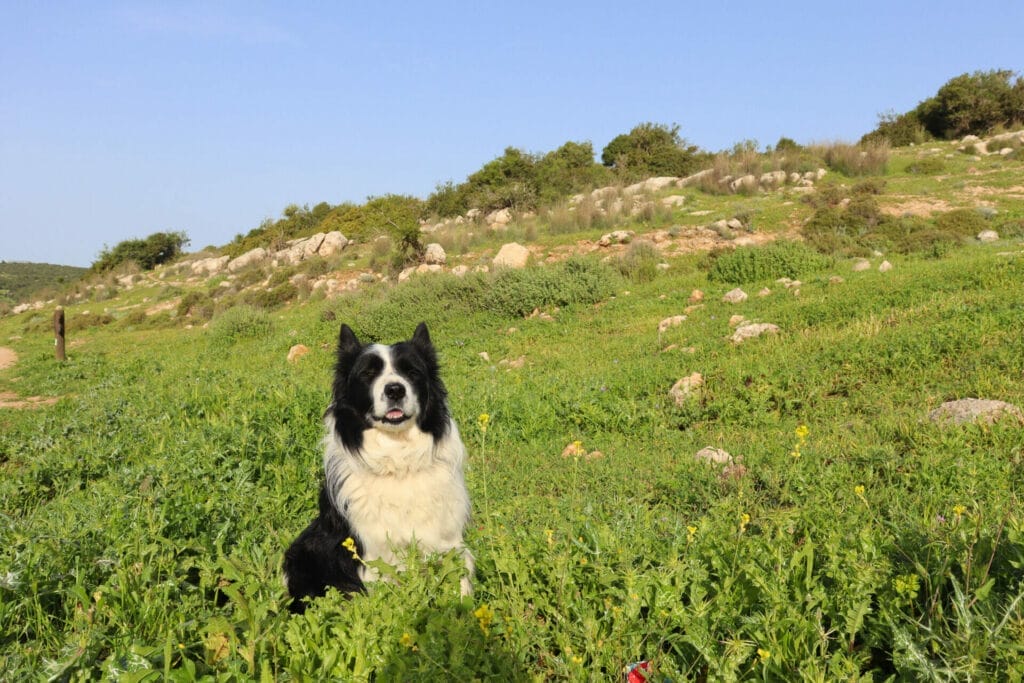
pixel 988 236
pixel 747 182
pixel 764 291
pixel 696 296
pixel 735 296
pixel 672 321
pixel 460 270
pixel 247 259
pixel 501 218
pixel 573 449
pixel 685 386
pixel 406 273
pixel 693 179
pixel 773 178
pixel 836 280
pixel 968 410
pixel 210 266
pixel 673 200
pixel 736 320
pixel 297 352
pixel 434 254
pixel 333 243
pixel 651 185
pixel 485 356
pixel 425 268
pixel 513 364
pixel 512 255
pixel 616 237
pixel 751 330
pixel 713 455
pixel 860 264
pixel 884 267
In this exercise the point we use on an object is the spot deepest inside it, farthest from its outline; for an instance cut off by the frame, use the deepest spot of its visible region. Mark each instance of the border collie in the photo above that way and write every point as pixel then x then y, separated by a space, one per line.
pixel 392 470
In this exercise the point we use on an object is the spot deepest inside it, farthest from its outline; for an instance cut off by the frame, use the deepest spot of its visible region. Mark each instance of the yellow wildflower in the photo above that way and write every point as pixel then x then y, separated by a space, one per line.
pixel 484 616
pixel 407 640
pixel 744 522
pixel 802 431
pixel 959 510
pixel 483 421
pixel 858 491
pixel 691 532
pixel 349 544
pixel 764 654
pixel 550 533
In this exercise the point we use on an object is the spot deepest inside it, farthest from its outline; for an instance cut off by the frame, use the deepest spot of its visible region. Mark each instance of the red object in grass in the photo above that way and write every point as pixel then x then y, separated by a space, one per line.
pixel 636 673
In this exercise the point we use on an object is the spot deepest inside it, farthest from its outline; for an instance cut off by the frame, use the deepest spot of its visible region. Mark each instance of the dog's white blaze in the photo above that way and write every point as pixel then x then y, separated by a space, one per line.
pixel 388 375
pixel 401 487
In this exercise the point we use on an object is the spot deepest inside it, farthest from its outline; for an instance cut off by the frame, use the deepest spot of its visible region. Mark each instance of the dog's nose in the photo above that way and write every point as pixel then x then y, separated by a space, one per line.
pixel 394 391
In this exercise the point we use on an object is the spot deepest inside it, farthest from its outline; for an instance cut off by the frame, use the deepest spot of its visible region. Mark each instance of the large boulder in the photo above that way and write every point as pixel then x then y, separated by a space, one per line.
pixel 247 259
pixel 434 254
pixel 512 255
pixel 333 243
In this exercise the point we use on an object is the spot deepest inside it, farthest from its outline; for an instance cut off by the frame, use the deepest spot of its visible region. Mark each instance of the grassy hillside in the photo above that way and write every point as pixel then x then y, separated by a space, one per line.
pixel 145 514
pixel 21 281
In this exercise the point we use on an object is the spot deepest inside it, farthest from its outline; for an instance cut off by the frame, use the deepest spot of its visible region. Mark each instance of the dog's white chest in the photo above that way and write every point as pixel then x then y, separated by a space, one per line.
pixel 402 488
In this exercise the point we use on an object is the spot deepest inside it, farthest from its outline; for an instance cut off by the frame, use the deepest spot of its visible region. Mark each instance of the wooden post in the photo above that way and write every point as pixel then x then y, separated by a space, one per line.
pixel 58 333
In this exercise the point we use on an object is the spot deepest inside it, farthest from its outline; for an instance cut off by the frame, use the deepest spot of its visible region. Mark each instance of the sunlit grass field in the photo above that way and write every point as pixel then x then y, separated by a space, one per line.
pixel 146 513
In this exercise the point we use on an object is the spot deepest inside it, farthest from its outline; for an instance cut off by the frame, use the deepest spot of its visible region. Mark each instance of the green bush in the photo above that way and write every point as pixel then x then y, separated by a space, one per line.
pixel 576 281
pixel 775 260
pixel 274 297
pixel 238 323
pixel 640 261
pixel 196 304
pixel 961 222
pixel 926 166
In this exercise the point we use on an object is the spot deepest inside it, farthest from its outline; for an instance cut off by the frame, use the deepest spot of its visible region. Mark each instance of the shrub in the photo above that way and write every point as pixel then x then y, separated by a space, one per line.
pixel 196 304
pixel 961 222
pixel 870 158
pixel 640 261
pixel 778 259
pixel 238 323
pixel 274 297
pixel 899 130
pixel 926 166
pixel 974 104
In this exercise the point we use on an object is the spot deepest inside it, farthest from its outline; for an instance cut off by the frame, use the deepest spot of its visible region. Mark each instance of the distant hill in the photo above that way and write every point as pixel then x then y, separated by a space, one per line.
pixel 19 281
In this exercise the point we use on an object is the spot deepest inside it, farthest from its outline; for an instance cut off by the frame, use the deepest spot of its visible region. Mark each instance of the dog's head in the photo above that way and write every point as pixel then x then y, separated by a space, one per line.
pixel 387 387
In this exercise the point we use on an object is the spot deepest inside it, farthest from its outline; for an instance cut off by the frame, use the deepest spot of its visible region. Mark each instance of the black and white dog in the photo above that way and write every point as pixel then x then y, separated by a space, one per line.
pixel 393 470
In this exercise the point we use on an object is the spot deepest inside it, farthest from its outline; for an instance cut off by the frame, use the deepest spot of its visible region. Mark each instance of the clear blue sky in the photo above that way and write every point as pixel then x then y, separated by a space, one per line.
pixel 120 119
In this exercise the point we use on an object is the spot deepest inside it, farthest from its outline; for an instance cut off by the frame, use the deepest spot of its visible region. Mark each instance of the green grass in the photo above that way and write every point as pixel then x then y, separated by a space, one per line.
pixel 145 514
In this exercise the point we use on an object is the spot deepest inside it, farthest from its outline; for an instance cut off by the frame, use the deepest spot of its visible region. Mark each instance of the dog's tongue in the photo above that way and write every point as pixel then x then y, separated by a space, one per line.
pixel 394 414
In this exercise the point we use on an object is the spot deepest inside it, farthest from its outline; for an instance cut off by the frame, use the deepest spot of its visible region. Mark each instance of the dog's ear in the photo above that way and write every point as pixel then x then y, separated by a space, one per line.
pixel 347 342
pixel 421 337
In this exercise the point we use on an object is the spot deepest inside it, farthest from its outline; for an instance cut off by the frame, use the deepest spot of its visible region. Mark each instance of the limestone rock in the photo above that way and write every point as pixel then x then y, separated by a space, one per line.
pixel 714 455
pixel 512 255
pixel 247 259
pixel 333 243
pixel 434 254
pixel 735 296
pixel 861 264
pixel 968 410
pixel 684 387
pixel 672 321
pixel 296 352
pixel 751 330
pixel 988 236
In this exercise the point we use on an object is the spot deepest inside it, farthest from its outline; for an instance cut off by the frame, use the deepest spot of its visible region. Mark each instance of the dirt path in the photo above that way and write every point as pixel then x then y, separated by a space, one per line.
pixel 9 399
pixel 7 357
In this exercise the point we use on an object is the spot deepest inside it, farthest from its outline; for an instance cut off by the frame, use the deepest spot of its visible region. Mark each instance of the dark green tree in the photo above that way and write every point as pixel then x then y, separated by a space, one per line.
pixel 651 149
pixel 160 247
